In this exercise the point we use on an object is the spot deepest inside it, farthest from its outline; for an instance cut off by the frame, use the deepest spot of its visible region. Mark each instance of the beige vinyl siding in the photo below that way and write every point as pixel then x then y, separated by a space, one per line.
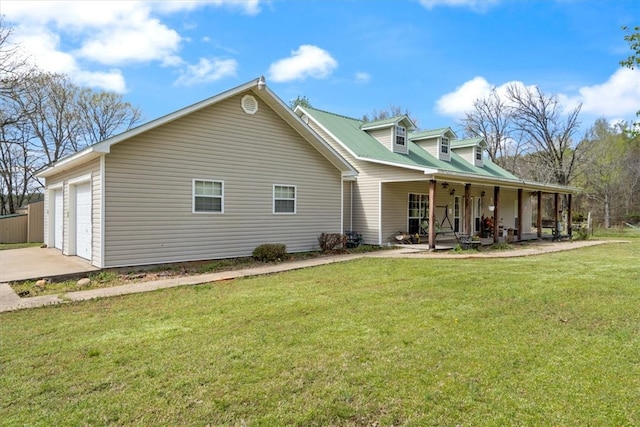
pixel 346 205
pixel 92 169
pixel 366 190
pixel 384 136
pixel 467 153
pixel 430 146
pixel 148 182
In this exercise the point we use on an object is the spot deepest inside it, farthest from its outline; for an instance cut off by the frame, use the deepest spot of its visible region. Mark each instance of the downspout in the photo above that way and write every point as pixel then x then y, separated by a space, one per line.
pixel 351 206
pixel 102 211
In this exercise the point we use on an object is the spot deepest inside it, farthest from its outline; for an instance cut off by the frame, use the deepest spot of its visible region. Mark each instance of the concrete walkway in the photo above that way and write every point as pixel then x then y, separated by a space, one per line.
pixel 10 301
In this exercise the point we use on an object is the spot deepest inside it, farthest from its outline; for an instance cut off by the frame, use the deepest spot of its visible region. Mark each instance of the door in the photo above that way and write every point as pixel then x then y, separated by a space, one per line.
pixel 476 209
pixel 58 206
pixel 83 221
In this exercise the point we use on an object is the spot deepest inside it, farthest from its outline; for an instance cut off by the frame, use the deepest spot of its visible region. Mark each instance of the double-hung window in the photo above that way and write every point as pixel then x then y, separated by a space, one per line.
pixel 284 199
pixel 401 135
pixel 208 196
pixel 444 145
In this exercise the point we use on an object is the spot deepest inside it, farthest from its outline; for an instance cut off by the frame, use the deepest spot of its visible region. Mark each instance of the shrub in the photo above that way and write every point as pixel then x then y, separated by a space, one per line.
pixel 580 233
pixel 270 252
pixel 331 242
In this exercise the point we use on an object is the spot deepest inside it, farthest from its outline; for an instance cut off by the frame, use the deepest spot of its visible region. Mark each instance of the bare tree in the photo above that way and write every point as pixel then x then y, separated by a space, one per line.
pixel 44 117
pixel 104 114
pixel 16 163
pixel 492 120
pixel 547 131
pixel 391 111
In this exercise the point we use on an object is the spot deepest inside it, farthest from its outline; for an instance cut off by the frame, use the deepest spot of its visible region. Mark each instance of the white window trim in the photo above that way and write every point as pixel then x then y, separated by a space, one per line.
pixel 403 136
pixel 193 196
pixel 295 199
pixel 442 145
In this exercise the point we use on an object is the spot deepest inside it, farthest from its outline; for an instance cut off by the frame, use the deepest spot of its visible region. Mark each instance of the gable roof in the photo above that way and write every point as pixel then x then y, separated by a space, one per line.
pixel 257 87
pixel 384 123
pixel 432 133
pixel 348 133
pixel 468 142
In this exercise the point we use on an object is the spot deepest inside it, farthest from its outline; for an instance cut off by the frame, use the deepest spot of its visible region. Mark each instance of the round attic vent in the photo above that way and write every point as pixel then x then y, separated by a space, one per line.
pixel 249 104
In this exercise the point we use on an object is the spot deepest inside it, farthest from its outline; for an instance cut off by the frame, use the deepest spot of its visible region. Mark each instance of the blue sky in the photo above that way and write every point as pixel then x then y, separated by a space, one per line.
pixel 431 57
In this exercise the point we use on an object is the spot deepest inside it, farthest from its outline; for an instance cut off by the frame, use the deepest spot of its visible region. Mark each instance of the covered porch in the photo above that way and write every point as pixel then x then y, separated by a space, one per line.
pixel 483 210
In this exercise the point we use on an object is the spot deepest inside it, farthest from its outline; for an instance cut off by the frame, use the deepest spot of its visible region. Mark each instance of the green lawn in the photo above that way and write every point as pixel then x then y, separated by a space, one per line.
pixel 546 340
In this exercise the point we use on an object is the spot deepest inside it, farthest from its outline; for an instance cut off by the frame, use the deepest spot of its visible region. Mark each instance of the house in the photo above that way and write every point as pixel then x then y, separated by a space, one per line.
pixel 213 180
pixel 239 169
pixel 408 180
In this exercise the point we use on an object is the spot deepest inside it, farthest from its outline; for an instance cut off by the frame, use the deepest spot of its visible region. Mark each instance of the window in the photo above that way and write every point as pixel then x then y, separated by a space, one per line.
pixel 478 154
pixel 444 145
pixel 401 135
pixel 207 196
pixel 418 211
pixel 284 199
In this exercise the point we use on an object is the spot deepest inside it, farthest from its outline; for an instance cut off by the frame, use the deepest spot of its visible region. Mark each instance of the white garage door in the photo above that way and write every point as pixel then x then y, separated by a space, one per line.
pixel 83 221
pixel 57 219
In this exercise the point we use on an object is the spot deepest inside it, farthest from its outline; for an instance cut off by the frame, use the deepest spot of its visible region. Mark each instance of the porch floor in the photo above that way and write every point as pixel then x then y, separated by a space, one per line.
pixel 448 242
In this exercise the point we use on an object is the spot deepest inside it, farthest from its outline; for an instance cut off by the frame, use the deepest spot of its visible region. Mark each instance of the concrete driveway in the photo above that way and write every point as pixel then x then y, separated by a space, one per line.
pixel 38 263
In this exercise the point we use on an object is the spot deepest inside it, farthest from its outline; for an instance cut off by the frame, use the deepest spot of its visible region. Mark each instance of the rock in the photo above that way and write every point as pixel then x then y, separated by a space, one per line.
pixel 83 282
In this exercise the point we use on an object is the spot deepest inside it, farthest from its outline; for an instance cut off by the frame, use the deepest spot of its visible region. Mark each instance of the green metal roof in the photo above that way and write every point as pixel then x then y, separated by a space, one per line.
pixel 365 147
pixel 468 142
pixel 387 122
pixel 431 133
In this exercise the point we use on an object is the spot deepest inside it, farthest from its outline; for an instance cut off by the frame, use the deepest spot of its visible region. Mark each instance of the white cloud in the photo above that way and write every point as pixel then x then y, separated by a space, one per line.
pixel 461 100
pixel 206 71
pixel 362 77
pixel 135 41
pixel 307 61
pixel 74 37
pixel 618 97
pixel 112 81
pixel 476 5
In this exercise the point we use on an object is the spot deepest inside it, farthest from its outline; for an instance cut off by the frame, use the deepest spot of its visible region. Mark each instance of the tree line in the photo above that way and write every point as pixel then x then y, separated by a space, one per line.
pixel 44 117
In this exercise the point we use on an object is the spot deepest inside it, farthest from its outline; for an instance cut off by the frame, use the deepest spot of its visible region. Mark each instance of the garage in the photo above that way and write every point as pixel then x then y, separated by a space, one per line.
pixel 83 220
pixel 58 225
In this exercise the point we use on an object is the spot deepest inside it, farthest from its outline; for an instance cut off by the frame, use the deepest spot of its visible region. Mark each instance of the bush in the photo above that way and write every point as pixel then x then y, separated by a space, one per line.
pixel 332 242
pixel 270 252
pixel 580 233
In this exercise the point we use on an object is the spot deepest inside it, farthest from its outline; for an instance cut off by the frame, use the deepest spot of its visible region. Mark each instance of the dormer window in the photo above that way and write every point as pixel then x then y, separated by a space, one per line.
pixel 478 154
pixel 444 146
pixel 401 136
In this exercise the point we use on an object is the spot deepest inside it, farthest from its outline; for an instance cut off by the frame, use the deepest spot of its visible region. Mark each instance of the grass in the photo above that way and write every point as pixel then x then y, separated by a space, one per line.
pixel 7 246
pixel 545 340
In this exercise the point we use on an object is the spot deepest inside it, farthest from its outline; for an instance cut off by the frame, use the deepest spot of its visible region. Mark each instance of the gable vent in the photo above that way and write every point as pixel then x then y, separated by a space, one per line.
pixel 249 104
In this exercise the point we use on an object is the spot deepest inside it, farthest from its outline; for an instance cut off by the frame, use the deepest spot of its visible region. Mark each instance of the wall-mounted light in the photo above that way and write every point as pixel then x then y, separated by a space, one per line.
pixel 452 192
pixel 482 194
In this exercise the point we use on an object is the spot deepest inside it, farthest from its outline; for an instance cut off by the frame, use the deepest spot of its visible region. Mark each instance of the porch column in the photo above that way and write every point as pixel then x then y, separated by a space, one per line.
pixel 467 210
pixel 496 214
pixel 519 225
pixel 432 215
pixel 539 216
pixel 556 204
pixel 569 216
